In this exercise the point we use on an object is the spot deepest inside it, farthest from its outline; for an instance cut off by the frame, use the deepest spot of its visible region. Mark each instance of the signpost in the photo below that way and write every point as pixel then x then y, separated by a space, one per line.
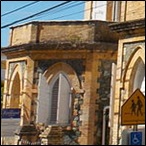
pixel 133 113
pixel 10 120
pixel 133 110
pixel 10 113
pixel 135 138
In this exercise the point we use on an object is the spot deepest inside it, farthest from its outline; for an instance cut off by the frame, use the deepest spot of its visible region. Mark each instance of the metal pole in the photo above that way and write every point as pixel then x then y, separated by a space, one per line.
pixel 119 115
pixel 104 124
pixel 135 128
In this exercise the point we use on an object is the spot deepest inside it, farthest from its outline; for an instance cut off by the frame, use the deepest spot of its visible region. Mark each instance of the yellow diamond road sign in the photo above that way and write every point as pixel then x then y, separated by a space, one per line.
pixel 133 110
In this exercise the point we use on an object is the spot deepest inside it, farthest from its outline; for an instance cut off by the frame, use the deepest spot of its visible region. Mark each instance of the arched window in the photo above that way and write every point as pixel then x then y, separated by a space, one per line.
pixel 139 78
pixel 60 100
pixel 15 93
pixel 139 81
pixel 54 106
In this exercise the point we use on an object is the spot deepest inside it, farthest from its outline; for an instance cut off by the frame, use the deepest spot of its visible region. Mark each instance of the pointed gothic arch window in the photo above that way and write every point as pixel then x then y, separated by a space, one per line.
pixel 139 81
pixel 54 106
pixel 60 100
pixel 15 93
pixel 139 78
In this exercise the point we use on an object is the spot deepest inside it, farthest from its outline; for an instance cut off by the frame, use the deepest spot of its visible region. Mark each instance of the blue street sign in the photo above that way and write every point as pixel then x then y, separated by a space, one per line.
pixel 135 138
pixel 10 113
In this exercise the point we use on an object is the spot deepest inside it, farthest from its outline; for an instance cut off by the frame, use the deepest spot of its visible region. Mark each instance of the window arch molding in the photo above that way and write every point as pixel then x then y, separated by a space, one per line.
pixel 128 77
pixel 47 82
pixel 65 68
pixel 15 74
pixel 54 78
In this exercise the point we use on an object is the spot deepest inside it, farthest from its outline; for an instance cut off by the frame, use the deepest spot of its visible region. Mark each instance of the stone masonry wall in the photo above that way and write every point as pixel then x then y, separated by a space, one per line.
pixel 74 32
pixel 104 93
pixel 134 10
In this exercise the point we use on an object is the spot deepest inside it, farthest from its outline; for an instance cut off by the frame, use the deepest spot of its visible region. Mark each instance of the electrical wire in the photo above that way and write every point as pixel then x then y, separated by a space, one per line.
pixel 54 12
pixel 94 8
pixel 80 11
pixel 68 14
pixel 76 12
pixel 7 25
pixel 20 8
pixel 45 12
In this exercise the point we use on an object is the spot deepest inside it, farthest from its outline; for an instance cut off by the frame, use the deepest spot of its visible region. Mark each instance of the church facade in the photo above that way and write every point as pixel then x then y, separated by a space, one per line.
pixel 58 74
pixel 70 78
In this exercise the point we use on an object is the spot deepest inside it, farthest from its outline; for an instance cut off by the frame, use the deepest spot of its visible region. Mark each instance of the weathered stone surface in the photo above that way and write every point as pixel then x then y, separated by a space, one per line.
pixel 84 57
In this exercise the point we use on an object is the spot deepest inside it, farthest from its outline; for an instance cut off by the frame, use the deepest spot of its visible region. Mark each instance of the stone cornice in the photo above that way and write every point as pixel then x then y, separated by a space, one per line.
pixel 56 49
pixel 56 46
pixel 129 26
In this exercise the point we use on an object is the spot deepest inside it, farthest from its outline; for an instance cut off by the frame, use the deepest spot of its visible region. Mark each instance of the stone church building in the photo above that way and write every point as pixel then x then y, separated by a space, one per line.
pixel 63 75
pixel 58 74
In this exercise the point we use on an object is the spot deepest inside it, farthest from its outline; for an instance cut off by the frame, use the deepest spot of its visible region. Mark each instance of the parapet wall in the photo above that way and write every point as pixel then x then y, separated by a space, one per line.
pixel 62 31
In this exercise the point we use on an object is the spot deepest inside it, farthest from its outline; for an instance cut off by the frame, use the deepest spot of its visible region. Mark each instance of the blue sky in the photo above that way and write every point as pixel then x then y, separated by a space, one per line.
pixel 70 11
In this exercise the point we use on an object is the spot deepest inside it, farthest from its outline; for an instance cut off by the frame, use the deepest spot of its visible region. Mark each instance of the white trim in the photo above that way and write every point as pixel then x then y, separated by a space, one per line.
pixel 99 10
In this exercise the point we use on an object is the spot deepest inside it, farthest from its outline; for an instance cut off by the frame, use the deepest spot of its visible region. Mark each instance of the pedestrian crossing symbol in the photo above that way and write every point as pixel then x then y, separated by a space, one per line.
pixel 133 110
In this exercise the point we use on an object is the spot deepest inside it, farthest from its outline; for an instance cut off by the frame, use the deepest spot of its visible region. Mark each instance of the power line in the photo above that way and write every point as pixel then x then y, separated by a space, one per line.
pixel 81 11
pixel 71 6
pixel 78 11
pixel 7 25
pixel 40 13
pixel 54 10
pixel 94 8
pixel 10 12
